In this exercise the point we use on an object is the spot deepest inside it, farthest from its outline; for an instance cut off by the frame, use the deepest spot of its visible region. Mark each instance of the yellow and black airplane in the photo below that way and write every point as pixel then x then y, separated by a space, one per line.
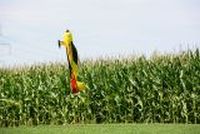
pixel 72 58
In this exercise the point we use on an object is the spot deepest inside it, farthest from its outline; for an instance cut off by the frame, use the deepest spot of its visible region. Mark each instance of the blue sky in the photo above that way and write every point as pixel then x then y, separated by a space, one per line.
pixel 100 27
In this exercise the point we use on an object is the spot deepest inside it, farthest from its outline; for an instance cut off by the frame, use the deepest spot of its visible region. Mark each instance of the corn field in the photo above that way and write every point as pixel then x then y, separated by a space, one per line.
pixel 160 89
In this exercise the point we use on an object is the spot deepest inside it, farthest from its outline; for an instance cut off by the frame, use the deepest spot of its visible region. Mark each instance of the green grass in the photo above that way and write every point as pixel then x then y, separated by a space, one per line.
pixel 106 129
pixel 161 89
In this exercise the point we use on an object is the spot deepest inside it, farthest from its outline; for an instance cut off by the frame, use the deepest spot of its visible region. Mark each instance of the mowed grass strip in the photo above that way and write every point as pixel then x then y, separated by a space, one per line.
pixel 106 129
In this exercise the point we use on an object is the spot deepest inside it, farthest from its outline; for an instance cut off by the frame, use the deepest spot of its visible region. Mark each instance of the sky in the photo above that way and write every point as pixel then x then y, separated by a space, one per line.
pixel 101 28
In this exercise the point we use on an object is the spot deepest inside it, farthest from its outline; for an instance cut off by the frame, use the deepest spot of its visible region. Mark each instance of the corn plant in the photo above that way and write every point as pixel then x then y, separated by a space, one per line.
pixel 160 89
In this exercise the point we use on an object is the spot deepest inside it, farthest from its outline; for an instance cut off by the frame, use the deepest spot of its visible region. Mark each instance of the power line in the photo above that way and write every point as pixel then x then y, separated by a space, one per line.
pixel 4 45
pixel 0 30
